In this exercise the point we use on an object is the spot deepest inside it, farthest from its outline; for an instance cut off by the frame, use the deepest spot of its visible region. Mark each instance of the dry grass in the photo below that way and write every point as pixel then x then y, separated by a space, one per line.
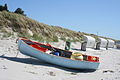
pixel 41 32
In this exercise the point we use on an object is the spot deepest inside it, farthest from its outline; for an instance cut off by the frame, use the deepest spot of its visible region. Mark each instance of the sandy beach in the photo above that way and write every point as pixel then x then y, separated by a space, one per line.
pixel 26 68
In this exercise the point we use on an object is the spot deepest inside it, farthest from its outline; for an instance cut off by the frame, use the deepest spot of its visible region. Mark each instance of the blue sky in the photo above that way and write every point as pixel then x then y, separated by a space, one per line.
pixel 90 16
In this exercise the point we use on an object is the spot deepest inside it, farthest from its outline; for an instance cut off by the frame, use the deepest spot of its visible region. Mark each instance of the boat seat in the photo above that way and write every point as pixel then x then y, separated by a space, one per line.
pixel 39 48
pixel 28 42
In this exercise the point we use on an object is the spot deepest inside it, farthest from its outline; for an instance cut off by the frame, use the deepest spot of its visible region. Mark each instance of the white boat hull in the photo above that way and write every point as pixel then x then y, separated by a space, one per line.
pixel 65 62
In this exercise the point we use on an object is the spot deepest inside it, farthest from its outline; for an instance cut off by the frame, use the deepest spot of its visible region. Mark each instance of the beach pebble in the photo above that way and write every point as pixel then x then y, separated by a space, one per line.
pixel 52 73
pixel 3 67
pixel 73 73
pixel 108 71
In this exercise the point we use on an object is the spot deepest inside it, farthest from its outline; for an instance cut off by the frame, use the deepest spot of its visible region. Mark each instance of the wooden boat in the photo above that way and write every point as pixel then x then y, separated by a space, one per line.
pixel 38 50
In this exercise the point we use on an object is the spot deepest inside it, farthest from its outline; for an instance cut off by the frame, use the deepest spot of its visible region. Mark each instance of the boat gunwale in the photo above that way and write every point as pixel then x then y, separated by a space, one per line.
pixel 55 55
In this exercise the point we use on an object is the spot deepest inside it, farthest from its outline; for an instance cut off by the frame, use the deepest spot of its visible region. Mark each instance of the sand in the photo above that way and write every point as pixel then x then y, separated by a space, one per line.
pixel 26 68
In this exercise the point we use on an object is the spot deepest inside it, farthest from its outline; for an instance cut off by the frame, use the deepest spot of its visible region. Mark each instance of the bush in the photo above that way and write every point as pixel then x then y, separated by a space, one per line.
pixel 19 11
pixel 55 39
pixel 48 40
pixel 38 37
pixel 63 38
pixel 1 8
pixel 4 7
pixel 3 30
pixel 5 35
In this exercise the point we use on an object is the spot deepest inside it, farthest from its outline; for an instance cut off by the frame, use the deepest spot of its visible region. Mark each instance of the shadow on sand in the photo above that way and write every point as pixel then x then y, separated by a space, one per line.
pixel 76 49
pixel 82 50
pixel 33 61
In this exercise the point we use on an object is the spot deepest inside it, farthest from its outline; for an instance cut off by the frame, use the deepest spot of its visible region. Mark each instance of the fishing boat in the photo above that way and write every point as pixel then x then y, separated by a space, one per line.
pixel 40 51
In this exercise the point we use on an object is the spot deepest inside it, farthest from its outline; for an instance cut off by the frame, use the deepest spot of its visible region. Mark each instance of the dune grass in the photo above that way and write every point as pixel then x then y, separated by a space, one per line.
pixel 41 32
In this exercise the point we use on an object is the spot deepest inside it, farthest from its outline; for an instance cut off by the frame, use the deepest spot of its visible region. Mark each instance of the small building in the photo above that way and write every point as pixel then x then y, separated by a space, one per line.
pixel 89 42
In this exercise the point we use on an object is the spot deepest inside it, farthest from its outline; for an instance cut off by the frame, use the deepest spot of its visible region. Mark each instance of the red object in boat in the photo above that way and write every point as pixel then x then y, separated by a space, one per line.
pixel 93 58
pixel 48 44
pixel 36 46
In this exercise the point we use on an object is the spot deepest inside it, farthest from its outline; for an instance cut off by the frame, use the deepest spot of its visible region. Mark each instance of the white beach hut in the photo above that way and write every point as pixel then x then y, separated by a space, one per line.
pixel 103 42
pixel 118 44
pixel 110 43
pixel 90 41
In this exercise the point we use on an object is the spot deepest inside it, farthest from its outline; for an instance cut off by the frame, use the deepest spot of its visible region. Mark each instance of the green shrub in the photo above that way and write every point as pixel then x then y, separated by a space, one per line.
pixel 5 35
pixel 21 34
pixel 38 37
pixel 48 39
pixel 19 11
pixel 3 30
pixel 75 40
pixel 2 8
pixel 63 38
pixel 55 39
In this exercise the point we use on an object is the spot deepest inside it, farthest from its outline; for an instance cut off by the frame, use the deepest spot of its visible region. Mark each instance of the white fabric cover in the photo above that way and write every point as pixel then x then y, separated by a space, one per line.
pixel 118 44
pixel 103 42
pixel 90 41
pixel 111 43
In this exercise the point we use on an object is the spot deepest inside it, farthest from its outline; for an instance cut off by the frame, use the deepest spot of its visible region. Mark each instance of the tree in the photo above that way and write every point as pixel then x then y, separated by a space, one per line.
pixel 5 7
pixel 19 11
pixel 1 8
